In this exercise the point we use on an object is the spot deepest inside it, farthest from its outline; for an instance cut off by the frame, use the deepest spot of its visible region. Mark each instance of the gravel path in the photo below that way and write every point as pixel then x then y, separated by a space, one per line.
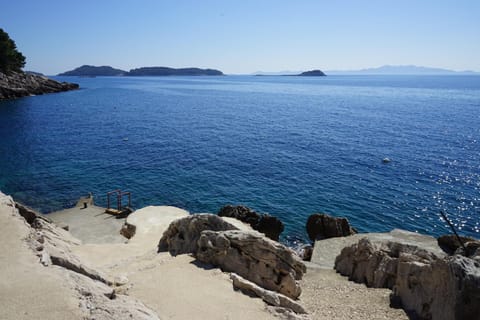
pixel 328 295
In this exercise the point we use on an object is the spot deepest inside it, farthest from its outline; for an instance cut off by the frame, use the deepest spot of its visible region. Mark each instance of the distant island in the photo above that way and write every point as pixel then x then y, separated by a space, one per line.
pixel 164 71
pixel 312 73
pixel 401 70
pixel 93 71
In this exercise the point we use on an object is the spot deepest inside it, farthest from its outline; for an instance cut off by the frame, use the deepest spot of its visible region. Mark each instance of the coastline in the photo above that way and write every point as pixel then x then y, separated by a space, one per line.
pixel 21 84
pixel 174 286
pixel 207 290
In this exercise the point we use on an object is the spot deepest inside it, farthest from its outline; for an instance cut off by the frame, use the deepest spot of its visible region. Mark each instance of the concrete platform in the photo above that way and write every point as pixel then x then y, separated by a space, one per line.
pixel 91 224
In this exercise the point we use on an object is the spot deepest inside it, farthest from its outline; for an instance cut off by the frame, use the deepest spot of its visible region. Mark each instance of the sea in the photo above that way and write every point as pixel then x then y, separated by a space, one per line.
pixel 283 145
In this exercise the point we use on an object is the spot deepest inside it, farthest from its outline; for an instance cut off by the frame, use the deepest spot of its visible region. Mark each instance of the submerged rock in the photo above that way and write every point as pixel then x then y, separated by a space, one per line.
pixel 269 225
pixel 322 226
pixel 426 285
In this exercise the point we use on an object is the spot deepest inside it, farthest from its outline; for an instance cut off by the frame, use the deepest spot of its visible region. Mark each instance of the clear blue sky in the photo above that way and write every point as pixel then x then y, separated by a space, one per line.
pixel 244 36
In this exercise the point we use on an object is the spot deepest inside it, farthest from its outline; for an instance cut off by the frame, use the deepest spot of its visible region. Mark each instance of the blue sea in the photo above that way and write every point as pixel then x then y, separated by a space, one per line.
pixel 287 146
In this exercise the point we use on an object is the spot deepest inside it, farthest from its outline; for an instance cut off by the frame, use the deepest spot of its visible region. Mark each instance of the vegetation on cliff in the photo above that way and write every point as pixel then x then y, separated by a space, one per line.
pixel 10 58
pixel 14 83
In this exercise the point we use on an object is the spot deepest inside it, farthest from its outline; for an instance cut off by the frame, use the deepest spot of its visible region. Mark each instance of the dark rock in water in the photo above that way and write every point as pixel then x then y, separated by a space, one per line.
pixel 322 226
pixel 20 84
pixel 449 242
pixel 425 285
pixel 241 213
pixel 269 225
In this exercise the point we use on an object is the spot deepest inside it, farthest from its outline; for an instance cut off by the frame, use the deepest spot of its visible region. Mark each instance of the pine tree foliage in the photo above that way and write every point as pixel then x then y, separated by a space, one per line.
pixel 10 58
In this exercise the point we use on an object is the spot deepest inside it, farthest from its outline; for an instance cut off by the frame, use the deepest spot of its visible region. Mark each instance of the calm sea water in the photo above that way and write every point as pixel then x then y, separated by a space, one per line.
pixel 288 146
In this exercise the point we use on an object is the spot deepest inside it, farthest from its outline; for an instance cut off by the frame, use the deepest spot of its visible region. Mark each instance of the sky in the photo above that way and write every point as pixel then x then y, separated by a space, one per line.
pixel 244 36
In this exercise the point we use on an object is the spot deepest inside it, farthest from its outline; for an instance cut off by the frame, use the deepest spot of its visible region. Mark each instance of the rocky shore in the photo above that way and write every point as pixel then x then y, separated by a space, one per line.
pixel 174 265
pixel 21 84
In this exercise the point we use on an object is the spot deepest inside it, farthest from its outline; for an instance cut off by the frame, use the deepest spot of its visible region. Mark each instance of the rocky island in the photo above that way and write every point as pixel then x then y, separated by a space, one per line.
pixel 93 71
pixel 312 73
pixel 165 71
pixel 14 83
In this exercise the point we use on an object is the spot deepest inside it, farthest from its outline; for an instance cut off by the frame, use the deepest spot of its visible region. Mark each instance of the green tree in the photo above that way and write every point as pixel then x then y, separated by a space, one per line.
pixel 10 58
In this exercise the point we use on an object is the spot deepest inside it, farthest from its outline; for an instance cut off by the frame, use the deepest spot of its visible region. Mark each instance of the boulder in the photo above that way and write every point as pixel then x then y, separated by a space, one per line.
pixel 182 234
pixel 375 263
pixel 269 225
pixel 424 284
pixel 322 226
pixel 450 244
pixel 256 258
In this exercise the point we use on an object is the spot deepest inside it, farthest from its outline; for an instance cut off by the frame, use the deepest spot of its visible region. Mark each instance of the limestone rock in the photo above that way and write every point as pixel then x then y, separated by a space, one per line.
pixel 375 263
pixel 182 234
pixel 426 285
pixel 322 226
pixel 270 297
pixel 445 289
pixel 263 261
pixel 101 302
pixel 55 249
pixel 73 290
pixel 20 84
pixel 269 225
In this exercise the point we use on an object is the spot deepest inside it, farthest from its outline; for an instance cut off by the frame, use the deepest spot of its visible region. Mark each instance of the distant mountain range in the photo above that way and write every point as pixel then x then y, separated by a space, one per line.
pixel 400 70
pixel 107 71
